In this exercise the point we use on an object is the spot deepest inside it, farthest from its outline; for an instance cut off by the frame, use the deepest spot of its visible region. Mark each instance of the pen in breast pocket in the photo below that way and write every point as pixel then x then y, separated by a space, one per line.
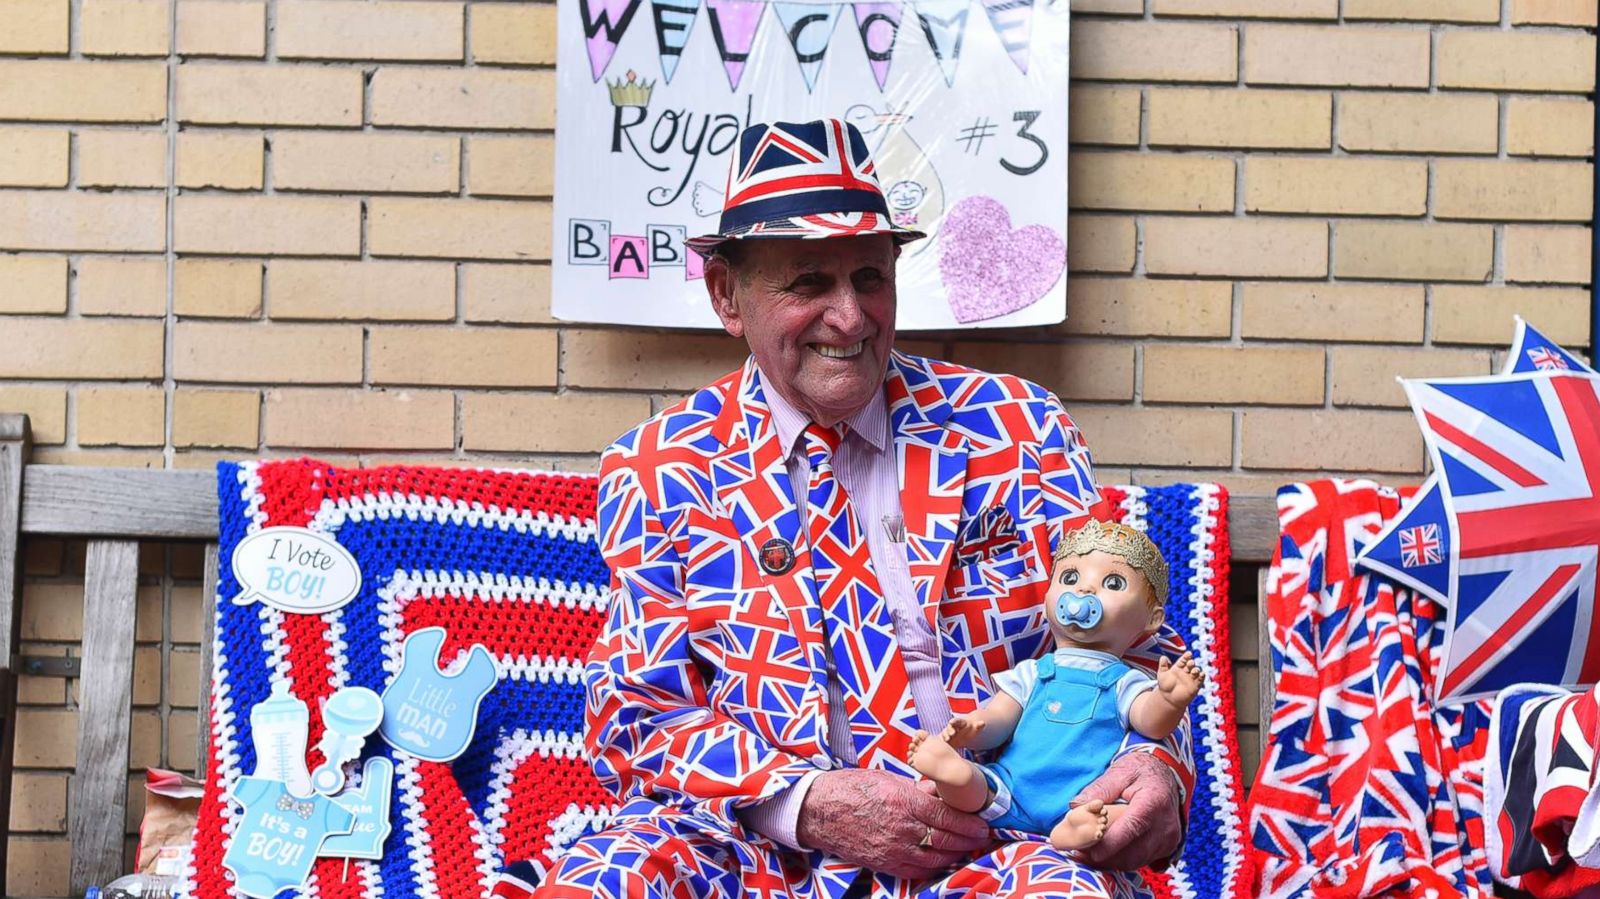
pixel 895 527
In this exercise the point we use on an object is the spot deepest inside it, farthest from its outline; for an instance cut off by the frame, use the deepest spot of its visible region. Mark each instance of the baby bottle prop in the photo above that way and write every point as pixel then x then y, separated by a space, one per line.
pixel 279 727
pixel 348 716
pixel 430 714
pixel 1083 612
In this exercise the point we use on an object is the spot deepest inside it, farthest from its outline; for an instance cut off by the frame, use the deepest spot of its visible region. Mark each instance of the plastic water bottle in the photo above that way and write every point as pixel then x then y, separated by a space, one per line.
pixel 136 886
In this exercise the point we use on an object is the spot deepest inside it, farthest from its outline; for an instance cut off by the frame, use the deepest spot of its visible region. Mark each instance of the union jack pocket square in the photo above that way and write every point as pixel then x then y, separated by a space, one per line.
pixel 990 533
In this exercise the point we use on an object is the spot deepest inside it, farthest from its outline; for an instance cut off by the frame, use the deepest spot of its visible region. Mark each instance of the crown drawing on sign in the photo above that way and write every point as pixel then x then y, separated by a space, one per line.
pixel 633 92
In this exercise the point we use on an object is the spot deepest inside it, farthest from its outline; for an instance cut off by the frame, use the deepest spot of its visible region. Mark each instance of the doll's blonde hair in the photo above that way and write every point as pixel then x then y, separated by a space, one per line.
pixel 1128 544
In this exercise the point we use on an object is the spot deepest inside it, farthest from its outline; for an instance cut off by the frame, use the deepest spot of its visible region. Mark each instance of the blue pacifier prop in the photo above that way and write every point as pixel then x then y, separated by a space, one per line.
pixel 1082 612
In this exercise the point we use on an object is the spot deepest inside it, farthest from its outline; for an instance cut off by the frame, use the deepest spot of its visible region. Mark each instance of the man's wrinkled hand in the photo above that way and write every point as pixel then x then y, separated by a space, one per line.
pixel 1151 827
pixel 879 820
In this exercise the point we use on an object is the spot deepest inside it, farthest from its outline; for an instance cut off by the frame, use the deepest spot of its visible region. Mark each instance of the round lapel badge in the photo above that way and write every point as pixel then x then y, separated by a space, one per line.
pixel 777 556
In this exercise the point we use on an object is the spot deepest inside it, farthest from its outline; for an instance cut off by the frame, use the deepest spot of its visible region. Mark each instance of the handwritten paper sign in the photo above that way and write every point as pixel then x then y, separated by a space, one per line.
pixel 295 570
pixel 962 102
pixel 430 714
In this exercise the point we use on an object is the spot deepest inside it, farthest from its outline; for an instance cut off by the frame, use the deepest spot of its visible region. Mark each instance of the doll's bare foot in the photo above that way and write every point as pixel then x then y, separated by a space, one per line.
pixel 934 759
pixel 1083 826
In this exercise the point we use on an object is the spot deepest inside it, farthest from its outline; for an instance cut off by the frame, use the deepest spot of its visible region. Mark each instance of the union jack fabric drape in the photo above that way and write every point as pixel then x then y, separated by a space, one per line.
pixel 1365 788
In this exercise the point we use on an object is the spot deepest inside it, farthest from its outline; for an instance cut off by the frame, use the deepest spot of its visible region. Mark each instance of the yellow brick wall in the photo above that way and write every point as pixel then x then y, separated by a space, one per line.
pixel 166 691
pixel 272 227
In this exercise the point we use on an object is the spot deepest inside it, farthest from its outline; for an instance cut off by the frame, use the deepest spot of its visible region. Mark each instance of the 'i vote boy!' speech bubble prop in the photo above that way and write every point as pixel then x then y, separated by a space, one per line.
pixel 295 570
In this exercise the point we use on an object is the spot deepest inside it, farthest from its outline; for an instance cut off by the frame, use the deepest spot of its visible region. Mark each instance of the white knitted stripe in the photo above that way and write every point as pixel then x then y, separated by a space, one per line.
pixel 417 584
pixel 511 752
pixel 1202 555
pixel 413 820
pixel 572 824
pixel 338 650
pixel 1135 510
pixel 382 506
pixel 389 618
pixel 543 670
pixel 254 499
pixel 485 850
pixel 367 870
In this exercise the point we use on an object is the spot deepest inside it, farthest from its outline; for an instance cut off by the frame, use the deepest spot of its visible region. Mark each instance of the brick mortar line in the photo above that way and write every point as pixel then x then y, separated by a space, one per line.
pixel 170 318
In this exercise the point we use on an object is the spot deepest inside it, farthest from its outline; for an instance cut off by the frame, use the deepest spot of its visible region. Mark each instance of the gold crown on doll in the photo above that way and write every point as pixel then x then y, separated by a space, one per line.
pixel 1129 544
pixel 633 92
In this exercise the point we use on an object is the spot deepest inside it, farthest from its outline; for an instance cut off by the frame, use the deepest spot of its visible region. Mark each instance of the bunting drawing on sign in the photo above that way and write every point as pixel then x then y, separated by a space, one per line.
pixel 734 24
pixel 809 27
pixel 911 186
pixel 673 19
pixel 945 24
pixel 603 29
pixel 879 26
pixel 1013 22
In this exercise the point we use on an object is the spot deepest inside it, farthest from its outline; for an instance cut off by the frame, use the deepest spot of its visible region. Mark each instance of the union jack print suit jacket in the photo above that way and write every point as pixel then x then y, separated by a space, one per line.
pixel 707 689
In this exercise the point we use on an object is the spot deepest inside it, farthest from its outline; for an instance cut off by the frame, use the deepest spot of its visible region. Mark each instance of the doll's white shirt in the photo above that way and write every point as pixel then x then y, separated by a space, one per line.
pixel 1020 681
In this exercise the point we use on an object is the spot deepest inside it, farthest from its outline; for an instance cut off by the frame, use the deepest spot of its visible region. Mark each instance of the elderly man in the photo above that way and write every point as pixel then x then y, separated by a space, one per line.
pixel 814 557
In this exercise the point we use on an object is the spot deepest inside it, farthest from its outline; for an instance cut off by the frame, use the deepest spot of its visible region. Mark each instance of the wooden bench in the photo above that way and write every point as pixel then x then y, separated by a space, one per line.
pixel 113 509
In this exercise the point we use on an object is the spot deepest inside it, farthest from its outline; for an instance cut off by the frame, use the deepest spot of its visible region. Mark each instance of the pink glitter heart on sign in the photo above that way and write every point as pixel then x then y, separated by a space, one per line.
pixel 988 269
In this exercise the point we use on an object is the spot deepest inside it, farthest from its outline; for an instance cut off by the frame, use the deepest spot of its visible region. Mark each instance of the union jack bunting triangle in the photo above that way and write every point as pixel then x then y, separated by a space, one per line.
pixel 1506 532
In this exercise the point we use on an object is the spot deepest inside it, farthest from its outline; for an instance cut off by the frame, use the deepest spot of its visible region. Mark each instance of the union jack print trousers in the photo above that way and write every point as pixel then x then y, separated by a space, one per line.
pixel 674 856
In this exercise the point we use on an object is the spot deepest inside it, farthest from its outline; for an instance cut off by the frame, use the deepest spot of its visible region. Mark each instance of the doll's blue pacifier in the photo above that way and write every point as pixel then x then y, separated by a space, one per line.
pixel 1083 612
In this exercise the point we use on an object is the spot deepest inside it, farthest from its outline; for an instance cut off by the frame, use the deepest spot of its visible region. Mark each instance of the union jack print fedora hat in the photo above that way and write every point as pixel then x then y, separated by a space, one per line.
pixel 801 180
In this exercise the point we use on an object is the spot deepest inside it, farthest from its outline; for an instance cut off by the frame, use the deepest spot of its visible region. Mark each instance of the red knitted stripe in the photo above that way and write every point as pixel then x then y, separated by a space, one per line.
pixel 208 844
pixel 1110 505
pixel 446 827
pixel 561 782
pixel 509 629
pixel 1222 551
pixel 570 497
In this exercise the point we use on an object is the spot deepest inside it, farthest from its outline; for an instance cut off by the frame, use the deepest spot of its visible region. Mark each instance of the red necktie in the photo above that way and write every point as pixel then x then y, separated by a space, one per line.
pixel 860 630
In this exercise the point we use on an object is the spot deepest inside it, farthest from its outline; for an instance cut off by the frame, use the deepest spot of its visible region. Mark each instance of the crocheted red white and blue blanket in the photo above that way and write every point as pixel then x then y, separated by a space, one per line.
pixel 509 560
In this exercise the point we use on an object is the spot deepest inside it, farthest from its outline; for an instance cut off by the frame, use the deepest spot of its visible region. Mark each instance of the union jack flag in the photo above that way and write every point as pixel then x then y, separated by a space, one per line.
pixel 1532 351
pixel 1542 827
pixel 1420 545
pixel 1519 459
pixel 1508 502
pixel 1545 358
pixel 1365 788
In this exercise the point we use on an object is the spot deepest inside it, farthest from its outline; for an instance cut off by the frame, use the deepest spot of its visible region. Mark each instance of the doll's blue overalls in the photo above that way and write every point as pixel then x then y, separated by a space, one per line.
pixel 1069 732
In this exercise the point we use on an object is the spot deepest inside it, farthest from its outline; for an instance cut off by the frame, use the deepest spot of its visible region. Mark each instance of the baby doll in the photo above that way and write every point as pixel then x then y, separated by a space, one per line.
pixel 1065 715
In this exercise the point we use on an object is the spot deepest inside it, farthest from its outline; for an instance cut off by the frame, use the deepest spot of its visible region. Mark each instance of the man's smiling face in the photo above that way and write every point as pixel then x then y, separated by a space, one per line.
pixel 818 316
